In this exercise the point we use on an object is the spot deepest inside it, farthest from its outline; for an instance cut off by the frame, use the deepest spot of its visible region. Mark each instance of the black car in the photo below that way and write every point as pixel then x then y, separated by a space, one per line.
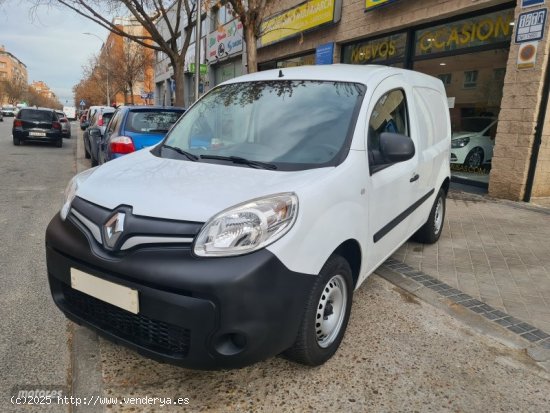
pixel 37 124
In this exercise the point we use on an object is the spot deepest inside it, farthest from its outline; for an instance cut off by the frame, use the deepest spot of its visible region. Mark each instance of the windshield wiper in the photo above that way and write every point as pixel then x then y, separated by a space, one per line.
pixel 243 161
pixel 189 155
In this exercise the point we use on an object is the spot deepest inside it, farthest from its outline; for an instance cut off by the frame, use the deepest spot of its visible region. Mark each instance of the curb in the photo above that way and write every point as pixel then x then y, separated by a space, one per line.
pixel 487 320
pixel 87 380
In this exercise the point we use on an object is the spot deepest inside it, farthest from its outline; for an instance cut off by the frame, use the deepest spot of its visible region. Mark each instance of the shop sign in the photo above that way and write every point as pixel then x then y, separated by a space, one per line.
pixel 477 31
pixel 203 69
pixel 529 3
pixel 372 4
pixel 324 54
pixel 227 40
pixel 377 51
pixel 530 26
pixel 190 57
pixel 304 17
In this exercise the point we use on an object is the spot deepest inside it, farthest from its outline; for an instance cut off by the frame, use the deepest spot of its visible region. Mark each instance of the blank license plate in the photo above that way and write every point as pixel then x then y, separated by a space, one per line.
pixel 37 134
pixel 115 294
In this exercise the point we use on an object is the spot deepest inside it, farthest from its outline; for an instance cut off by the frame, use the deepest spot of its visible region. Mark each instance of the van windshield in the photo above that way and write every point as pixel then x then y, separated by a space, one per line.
pixel 289 124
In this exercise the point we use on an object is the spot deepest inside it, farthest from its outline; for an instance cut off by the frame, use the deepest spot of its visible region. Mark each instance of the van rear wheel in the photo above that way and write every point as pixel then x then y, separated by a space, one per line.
pixel 430 232
pixel 326 315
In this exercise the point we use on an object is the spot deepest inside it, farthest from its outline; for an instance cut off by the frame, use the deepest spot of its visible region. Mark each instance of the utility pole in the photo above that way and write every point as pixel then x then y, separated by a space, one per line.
pixel 198 49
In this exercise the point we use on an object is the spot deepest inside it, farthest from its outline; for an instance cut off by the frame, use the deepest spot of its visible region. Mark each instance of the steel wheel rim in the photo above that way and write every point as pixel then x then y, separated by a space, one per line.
pixel 438 221
pixel 331 311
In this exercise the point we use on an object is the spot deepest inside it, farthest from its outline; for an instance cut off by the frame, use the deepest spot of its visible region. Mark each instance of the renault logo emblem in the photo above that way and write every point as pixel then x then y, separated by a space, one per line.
pixel 113 229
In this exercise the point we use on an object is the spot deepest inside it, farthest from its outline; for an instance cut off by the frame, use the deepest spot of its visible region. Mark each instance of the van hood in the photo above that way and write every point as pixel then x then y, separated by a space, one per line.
pixel 185 190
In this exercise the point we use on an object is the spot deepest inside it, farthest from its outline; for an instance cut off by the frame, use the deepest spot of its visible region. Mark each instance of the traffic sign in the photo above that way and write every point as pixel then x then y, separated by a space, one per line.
pixel 82 103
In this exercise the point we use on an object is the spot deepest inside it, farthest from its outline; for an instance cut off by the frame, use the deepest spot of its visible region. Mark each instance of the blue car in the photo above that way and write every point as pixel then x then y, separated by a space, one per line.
pixel 135 127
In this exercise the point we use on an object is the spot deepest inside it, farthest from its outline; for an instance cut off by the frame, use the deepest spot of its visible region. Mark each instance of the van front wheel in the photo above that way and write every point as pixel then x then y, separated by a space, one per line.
pixel 429 233
pixel 326 315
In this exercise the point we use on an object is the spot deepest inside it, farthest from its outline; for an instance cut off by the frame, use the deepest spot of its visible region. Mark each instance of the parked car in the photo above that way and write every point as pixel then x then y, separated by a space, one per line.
pixel 84 120
pixel 65 124
pixel 94 132
pixel 37 124
pixel 135 127
pixel 244 233
pixel 9 110
pixel 472 145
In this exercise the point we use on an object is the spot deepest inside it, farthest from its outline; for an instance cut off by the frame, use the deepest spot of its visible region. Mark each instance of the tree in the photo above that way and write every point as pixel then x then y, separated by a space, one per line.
pixel 251 14
pixel 100 79
pixel 133 61
pixel 161 19
pixel 14 90
pixel 34 98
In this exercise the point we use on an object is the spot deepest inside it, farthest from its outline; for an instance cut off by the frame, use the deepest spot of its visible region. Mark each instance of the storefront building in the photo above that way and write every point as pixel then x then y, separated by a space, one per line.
pixel 495 89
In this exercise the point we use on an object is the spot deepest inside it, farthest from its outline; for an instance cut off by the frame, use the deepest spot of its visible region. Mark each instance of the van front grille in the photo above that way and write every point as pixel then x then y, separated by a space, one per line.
pixel 158 336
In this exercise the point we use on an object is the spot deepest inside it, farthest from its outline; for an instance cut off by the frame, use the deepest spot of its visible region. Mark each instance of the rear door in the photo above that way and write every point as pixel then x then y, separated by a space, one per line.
pixel 36 122
pixel 393 192
pixel 148 127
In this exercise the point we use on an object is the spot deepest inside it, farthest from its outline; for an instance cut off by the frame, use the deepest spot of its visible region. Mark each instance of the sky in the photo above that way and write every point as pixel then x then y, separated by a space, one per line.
pixel 52 46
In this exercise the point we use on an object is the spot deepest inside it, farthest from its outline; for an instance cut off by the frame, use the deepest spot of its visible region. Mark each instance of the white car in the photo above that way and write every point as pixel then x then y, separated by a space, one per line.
pixel 472 146
pixel 9 110
pixel 245 232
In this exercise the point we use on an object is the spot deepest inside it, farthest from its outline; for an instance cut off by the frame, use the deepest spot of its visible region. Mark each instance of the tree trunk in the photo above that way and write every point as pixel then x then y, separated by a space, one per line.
pixel 130 86
pixel 179 78
pixel 251 51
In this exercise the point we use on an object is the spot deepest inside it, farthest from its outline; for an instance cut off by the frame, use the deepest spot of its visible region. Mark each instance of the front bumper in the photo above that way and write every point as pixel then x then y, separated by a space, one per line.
pixel 198 313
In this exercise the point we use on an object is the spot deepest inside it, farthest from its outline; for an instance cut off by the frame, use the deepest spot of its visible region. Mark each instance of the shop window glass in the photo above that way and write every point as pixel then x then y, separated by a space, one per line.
pixel 476 31
pixel 446 78
pixel 474 97
pixel 470 79
pixel 499 74
pixel 380 51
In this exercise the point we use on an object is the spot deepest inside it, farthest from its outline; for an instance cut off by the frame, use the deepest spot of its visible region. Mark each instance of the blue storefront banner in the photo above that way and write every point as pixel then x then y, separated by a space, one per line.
pixel 324 54
pixel 529 3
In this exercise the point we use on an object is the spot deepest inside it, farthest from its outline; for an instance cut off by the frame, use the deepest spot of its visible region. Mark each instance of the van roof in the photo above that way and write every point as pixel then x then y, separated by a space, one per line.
pixel 337 72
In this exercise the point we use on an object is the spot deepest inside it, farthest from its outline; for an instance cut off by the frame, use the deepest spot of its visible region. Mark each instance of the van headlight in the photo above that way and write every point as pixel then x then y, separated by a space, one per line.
pixel 247 227
pixel 70 191
pixel 460 143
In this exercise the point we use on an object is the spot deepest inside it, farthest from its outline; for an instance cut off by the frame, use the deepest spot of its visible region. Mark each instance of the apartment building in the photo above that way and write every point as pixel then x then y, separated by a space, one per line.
pixel 12 70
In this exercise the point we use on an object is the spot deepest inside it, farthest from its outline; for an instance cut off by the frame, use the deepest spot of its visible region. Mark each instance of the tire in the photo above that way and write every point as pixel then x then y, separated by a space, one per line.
pixel 59 143
pixel 430 232
pixel 16 141
pixel 86 153
pixel 474 159
pixel 332 291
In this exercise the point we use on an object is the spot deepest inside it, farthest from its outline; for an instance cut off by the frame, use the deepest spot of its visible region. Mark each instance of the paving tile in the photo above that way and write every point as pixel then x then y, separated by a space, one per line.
pixel 493 253
pixel 495 302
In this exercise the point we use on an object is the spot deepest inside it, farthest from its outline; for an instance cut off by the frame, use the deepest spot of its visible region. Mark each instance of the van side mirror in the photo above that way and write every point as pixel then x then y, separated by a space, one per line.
pixel 396 147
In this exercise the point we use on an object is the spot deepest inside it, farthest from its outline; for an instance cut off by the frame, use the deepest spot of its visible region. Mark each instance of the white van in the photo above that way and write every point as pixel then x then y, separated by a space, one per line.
pixel 245 232
pixel 70 112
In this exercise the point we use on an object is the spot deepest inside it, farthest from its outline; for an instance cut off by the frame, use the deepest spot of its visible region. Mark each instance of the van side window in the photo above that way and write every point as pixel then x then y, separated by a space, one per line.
pixel 389 115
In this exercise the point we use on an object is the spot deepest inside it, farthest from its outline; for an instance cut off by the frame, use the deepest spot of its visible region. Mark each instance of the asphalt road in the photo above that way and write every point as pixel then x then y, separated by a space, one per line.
pixel 33 333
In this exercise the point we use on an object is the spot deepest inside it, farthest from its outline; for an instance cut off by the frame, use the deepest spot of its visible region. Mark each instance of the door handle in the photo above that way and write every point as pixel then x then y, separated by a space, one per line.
pixel 414 178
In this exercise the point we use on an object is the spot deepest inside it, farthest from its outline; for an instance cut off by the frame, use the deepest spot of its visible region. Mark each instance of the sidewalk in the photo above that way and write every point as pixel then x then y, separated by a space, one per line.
pixel 495 251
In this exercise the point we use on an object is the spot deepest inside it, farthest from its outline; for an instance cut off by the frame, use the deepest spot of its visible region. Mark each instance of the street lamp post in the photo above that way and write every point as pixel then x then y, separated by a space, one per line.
pixel 107 54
